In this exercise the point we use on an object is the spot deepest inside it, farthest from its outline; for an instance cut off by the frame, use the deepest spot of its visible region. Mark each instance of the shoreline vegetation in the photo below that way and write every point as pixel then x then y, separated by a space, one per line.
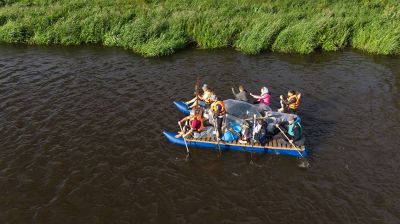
pixel 157 28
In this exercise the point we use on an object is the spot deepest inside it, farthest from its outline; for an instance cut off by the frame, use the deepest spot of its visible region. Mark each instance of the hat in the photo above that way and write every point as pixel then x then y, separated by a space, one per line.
pixel 205 86
pixel 264 90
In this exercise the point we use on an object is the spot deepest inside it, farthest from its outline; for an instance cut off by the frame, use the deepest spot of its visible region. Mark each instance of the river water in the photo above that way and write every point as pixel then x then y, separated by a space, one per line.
pixel 81 139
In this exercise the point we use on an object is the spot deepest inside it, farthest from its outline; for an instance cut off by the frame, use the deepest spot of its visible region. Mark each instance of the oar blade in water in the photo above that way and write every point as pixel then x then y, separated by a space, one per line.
pixel 303 163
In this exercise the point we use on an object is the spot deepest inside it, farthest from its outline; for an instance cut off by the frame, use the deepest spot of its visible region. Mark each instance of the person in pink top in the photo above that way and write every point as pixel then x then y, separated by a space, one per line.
pixel 264 100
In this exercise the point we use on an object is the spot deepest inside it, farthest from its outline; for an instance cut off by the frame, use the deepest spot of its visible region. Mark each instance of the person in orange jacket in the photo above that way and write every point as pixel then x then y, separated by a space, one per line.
pixel 291 104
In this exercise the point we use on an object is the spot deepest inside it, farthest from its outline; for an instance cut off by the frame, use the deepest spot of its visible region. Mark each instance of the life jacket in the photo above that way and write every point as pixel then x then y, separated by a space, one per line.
pixel 221 104
pixel 197 117
pixel 294 105
pixel 291 127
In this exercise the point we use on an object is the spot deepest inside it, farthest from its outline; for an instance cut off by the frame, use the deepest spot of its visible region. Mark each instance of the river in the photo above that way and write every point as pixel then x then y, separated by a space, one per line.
pixel 81 138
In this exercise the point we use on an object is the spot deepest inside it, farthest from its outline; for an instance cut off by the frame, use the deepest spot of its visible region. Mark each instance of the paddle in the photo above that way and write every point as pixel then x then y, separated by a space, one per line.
pixel 196 88
pixel 297 149
pixel 252 140
pixel 282 106
pixel 216 135
pixel 184 140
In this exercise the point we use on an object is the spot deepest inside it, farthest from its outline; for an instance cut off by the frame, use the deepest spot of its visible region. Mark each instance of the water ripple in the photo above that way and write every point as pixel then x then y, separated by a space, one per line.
pixel 81 139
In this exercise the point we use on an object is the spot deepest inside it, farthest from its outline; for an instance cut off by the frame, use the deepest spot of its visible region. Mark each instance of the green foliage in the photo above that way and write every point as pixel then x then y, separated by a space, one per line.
pixel 378 37
pixel 260 34
pixel 211 30
pixel 335 34
pixel 160 27
pixel 14 32
pixel 301 37
pixel 94 26
pixel 6 2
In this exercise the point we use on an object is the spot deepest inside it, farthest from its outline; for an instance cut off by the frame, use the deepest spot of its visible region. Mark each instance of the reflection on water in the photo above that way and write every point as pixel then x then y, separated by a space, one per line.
pixel 81 139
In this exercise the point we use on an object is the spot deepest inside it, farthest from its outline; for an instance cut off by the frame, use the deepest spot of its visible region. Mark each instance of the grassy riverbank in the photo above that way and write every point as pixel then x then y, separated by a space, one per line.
pixel 155 28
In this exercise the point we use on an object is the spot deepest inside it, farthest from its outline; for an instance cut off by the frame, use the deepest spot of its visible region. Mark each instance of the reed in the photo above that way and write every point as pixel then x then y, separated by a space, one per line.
pixel 161 27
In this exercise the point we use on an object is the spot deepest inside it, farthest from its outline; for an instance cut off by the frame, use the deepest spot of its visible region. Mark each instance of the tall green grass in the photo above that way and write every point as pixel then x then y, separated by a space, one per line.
pixel 160 27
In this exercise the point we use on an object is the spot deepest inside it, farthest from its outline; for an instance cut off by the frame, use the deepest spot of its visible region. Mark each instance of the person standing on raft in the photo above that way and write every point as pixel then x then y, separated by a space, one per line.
pixel 194 126
pixel 204 99
pixel 218 113
pixel 241 95
pixel 291 104
pixel 294 132
pixel 264 100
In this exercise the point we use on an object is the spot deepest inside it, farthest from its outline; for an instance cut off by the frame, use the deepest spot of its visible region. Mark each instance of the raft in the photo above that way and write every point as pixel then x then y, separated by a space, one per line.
pixel 182 107
pixel 271 147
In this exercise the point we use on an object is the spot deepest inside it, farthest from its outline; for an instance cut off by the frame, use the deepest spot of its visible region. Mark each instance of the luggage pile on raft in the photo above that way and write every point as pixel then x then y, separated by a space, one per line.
pixel 235 124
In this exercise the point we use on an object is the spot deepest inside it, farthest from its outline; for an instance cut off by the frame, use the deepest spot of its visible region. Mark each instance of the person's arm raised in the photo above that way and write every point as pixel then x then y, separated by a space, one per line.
pixel 233 91
pixel 255 96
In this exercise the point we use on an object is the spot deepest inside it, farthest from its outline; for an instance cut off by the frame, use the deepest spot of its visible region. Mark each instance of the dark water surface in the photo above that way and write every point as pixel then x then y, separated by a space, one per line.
pixel 81 139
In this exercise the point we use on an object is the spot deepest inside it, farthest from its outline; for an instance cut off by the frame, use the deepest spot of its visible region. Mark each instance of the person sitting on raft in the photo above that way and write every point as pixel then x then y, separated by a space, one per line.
pixel 245 133
pixel 291 104
pixel 241 95
pixel 260 132
pixel 194 126
pixel 264 100
pixel 204 99
pixel 294 132
pixel 218 114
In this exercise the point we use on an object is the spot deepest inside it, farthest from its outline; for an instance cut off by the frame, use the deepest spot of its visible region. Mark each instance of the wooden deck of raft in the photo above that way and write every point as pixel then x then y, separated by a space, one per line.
pixel 272 144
